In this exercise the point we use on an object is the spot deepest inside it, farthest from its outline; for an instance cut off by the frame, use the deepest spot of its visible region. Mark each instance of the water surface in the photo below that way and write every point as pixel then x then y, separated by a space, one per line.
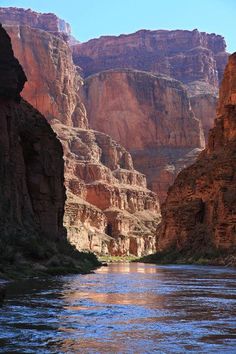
pixel 123 308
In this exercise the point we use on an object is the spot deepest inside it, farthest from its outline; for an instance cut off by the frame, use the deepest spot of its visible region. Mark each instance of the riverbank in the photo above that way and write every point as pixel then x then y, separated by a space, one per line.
pixel 213 258
pixel 117 259
pixel 2 290
pixel 28 260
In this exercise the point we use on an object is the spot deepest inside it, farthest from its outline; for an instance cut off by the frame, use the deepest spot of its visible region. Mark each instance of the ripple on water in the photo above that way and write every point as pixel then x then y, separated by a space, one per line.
pixel 123 308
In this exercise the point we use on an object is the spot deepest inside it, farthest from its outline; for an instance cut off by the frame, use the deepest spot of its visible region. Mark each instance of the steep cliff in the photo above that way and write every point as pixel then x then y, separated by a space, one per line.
pixel 31 175
pixel 151 116
pixel 196 59
pixel 109 210
pixel 199 215
pixel 32 191
pixel 193 57
pixel 47 22
pixel 204 108
pixel 108 203
pixel 53 82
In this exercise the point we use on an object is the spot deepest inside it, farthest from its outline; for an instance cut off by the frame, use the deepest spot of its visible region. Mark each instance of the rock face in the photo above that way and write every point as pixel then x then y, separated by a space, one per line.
pixel 109 210
pixel 31 164
pixel 47 22
pixel 54 91
pixel 108 207
pixel 200 210
pixel 151 116
pixel 196 59
pixel 187 56
pixel 204 108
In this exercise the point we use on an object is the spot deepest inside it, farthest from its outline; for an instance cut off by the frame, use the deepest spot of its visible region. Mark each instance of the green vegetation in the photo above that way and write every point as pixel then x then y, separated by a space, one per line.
pixel 32 256
pixel 201 257
pixel 117 259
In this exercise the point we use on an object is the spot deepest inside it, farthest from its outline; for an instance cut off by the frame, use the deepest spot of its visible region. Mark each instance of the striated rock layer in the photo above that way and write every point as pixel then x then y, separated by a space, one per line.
pixel 200 210
pixel 193 57
pixel 109 210
pixel 108 207
pixel 53 85
pixel 151 116
pixel 31 164
pixel 47 22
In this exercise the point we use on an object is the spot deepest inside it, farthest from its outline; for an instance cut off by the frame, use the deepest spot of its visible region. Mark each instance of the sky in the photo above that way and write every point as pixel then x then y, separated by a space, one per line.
pixel 93 18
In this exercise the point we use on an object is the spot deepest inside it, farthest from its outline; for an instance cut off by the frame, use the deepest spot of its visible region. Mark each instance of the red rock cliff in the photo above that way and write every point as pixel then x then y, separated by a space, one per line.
pixel 108 207
pixel 53 82
pixel 196 59
pixel 31 164
pixel 151 116
pixel 188 56
pixel 200 210
pixel 47 22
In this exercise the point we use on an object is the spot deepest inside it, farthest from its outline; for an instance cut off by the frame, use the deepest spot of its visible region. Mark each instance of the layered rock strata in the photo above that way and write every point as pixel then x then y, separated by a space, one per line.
pixel 53 85
pixel 31 164
pixel 109 210
pixel 151 116
pixel 47 22
pixel 192 57
pixel 200 210
pixel 108 207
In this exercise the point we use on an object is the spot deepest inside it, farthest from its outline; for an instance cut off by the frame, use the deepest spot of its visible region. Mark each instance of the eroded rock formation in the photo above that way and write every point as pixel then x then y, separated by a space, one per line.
pixel 109 210
pixel 53 85
pixel 200 210
pixel 47 22
pixel 151 116
pixel 192 57
pixel 31 164
pixel 108 207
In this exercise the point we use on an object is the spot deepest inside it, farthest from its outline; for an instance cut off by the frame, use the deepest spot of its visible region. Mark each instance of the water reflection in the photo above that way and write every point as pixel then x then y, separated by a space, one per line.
pixel 123 308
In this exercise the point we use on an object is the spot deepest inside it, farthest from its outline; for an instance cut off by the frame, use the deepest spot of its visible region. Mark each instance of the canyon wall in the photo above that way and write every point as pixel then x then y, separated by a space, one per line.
pixel 200 211
pixel 192 57
pixel 151 116
pixel 31 164
pixel 47 22
pixel 111 65
pixel 54 84
pixel 109 210
pixel 108 207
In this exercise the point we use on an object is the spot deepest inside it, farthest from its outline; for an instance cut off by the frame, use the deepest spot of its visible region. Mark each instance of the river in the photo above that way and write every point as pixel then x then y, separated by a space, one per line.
pixel 123 308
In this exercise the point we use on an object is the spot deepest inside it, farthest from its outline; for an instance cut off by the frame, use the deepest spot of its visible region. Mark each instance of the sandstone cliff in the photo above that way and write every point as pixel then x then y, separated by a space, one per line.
pixel 199 214
pixel 151 116
pixel 31 171
pixel 47 22
pixel 53 82
pixel 109 210
pixel 108 207
pixel 32 235
pixel 193 57
pixel 32 191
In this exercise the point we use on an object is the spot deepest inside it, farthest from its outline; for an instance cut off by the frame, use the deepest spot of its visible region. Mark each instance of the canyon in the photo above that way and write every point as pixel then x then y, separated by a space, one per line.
pixel 199 214
pixel 108 208
pixel 32 179
pixel 151 116
pixel 119 105
pixel 134 69
pixel 32 190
